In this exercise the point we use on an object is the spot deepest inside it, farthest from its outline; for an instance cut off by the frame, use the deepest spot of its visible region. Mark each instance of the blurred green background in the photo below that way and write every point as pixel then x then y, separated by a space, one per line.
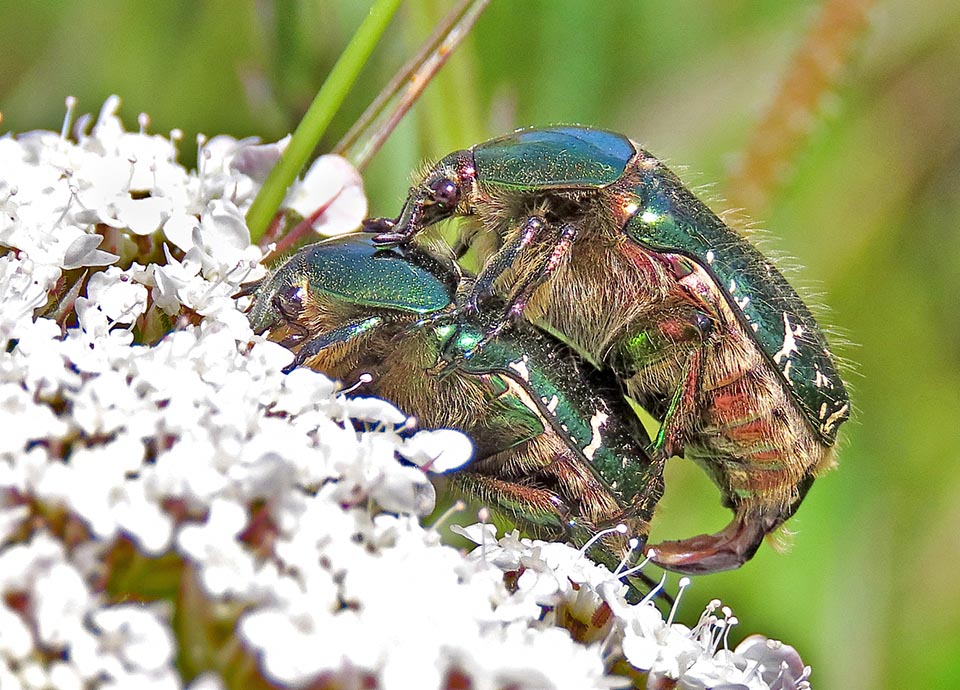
pixel 869 206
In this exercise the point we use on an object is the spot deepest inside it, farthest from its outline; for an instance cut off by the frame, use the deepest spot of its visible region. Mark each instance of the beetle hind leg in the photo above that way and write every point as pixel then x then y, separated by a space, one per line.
pixel 539 509
pixel 732 546
pixel 709 553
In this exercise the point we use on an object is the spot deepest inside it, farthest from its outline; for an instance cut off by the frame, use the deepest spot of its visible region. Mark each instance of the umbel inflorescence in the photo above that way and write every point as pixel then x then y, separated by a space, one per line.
pixel 177 512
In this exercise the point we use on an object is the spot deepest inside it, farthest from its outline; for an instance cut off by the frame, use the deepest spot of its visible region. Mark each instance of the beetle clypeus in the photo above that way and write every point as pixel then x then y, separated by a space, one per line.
pixel 556 445
pixel 585 233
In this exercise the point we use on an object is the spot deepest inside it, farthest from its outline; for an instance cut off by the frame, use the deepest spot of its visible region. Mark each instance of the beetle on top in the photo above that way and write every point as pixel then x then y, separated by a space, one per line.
pixel 584 233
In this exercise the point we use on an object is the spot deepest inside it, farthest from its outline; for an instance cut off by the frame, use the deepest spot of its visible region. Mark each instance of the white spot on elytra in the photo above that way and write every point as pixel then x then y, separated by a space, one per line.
pixel 711 256
pixel 596 439
pixel 834 419
pixel 552 405
pixel 742 303
pixel 520 366
pixel 733 286
pixel 819 380
pixel 790 335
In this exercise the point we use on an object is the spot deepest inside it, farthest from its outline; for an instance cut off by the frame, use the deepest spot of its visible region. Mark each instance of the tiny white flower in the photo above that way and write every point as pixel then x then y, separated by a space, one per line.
pixel 405 490
pixel 136 635
pixel 225 566
pixel 83 252
pixel 440 450
pixel 256 160
pixel 16 639
pixel 373 410
pixel 61 602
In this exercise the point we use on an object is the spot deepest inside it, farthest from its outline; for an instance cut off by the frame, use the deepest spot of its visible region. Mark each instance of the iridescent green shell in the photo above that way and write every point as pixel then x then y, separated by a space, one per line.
pixel 566 158
pixel 669 218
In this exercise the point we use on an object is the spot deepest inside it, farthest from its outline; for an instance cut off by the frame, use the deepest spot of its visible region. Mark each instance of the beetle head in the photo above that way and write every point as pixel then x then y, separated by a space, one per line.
pixel 446 190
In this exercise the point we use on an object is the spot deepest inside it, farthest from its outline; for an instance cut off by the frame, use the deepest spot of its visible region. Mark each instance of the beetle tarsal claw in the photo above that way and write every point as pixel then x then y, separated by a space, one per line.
pixel 709 553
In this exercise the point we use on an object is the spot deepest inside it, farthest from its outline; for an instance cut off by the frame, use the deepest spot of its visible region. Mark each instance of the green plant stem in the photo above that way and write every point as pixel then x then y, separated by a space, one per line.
pixel 318 116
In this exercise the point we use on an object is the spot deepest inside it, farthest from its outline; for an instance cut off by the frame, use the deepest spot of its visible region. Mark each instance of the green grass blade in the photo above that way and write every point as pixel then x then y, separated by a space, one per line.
pixel 318 116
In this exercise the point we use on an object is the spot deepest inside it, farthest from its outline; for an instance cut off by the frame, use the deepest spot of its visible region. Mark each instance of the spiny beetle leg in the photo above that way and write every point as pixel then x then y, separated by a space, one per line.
pixel 696 327
pixel 248 288
pixel 538 507
pixel 339 336
pixel 381 226
pixel 532 228
pixel 450 315
pixel 669 441
pixel 547 263
pixel 543 265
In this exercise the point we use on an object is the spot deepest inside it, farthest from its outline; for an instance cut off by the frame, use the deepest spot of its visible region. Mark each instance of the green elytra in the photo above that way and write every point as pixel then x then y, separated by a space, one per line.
pixel 536 385
pixel 669 218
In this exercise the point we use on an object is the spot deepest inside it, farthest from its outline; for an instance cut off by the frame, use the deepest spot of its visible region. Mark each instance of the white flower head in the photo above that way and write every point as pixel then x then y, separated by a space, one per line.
pixel 154 451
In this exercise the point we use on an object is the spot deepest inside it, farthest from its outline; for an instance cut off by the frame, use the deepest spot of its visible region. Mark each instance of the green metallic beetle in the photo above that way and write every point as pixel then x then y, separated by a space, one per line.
pixel 586 234
pixel 556 445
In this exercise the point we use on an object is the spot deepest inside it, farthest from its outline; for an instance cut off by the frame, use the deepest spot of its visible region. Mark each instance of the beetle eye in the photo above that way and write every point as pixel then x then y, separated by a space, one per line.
pixel 445 193
pixel 289 302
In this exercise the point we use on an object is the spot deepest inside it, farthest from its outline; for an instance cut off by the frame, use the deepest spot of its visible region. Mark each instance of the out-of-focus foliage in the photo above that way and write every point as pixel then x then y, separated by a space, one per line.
pixel 870 206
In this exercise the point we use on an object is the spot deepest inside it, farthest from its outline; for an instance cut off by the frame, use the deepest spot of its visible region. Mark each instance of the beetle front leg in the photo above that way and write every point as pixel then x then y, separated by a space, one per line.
pixel 541 264
pixel 346 333
pixel 533 227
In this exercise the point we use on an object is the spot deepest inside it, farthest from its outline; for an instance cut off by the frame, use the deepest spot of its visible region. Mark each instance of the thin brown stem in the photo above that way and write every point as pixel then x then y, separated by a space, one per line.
pixel 785 127
pixel 408 84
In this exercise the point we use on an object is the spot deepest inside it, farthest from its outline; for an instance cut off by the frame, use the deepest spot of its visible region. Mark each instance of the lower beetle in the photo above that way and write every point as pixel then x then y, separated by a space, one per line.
pixel 585 233
pixel 557 446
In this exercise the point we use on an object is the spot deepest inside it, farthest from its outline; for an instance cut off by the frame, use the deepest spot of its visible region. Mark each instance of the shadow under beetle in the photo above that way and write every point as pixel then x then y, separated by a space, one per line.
pixel 557 447
pixel 586 234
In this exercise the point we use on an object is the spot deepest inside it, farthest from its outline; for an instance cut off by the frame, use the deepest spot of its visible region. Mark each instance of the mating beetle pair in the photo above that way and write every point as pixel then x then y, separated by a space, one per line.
pixel 585 234
pixel 556 446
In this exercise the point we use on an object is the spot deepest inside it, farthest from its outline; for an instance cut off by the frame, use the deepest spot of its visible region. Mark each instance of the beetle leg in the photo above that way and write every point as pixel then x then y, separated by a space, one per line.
pixel 248 288
pixel 731 547
pixel 523 290
pixel 669 440
pixel 694 328
pixel 538 507
pixel 709 553
pixel 339 336
pixel 506 257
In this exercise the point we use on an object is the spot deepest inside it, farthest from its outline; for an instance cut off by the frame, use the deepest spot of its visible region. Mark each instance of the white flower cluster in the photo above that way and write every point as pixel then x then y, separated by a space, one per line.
pixel 175 511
